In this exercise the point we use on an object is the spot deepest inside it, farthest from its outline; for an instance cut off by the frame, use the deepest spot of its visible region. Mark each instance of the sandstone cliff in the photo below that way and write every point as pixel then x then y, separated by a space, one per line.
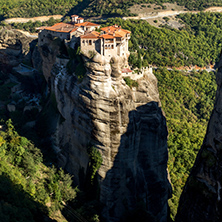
pixel 201 198
pixel 126 125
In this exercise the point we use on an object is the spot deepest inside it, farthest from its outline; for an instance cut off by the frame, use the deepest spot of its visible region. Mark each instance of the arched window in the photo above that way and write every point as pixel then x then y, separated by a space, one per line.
pixel 83 41
pixel 108 46
pixel 112 46
pixel 90 42
pixel 105 46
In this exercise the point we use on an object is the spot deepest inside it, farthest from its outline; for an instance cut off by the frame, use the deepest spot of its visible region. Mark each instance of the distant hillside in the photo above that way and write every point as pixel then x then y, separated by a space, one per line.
pixel 31 8
pixel 121 7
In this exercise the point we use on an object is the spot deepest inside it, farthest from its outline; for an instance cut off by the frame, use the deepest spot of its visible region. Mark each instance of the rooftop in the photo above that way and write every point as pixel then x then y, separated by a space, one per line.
pixel 126 70
pixel 91 35
pixel 62 27
pixel 116 30
pixel 87 24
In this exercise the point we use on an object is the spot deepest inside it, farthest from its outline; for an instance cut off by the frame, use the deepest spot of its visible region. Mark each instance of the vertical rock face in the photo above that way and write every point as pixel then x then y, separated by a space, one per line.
pixel 126 125
pixel 201 198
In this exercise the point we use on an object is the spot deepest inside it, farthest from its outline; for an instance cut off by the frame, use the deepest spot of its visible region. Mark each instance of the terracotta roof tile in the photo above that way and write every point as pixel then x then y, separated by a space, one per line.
pixel 61 27
pixel 87 24
pixel 89 36
pixel 107 36
pixel 115 28
pixel 125 70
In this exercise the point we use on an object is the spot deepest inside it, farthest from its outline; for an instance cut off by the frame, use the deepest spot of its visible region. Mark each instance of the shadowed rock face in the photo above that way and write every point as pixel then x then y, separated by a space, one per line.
pixel 201 198
pixel 14 47
pixel 126 126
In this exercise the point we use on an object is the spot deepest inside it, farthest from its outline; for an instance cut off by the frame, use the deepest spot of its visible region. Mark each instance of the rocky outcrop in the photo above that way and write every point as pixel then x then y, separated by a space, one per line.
pixel 125 124
pixel 201 198
pixel 14 47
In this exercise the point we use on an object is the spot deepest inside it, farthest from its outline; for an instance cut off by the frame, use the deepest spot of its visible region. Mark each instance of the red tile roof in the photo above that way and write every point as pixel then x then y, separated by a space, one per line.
pixel 107 36
pixel 91 35
pixel 125 70
pixel 115 29
pixel 62 27
pixel 87 24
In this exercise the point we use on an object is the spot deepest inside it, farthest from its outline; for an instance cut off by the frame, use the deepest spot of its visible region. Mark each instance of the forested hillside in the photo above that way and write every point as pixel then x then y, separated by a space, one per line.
pixel 187 100
pixel 30 191
pixel 31 8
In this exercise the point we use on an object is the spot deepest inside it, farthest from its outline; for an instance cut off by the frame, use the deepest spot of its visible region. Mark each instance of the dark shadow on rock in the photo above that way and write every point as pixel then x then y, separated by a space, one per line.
pixel 137 183
pixel 17 205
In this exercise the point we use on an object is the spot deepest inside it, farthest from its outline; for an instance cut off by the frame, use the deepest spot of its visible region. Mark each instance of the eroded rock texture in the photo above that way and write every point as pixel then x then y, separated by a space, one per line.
pixel 126 125
pixel 14 47
pixel 201 198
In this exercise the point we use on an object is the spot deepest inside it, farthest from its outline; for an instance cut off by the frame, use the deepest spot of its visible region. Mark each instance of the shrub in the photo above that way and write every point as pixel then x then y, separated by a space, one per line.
pixel 130 82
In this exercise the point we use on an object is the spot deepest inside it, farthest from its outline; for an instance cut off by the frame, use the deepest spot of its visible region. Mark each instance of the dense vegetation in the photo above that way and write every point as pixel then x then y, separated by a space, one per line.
pixel 26 182
pixel 187 100
pixel 32 8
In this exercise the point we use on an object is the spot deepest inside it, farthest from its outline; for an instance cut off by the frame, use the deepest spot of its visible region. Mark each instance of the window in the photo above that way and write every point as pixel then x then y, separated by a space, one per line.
pixel 105 46
pixel 83 41
pixel 108 46
pixel 112 46
pixel 90 42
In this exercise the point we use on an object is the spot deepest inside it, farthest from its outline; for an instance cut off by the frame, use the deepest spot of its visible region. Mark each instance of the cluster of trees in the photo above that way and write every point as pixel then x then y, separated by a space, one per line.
pixel 23 175
pixel 32 8
pixel 187 101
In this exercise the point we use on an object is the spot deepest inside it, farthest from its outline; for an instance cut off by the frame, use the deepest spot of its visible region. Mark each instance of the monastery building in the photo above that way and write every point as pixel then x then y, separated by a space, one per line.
pixel 110 41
